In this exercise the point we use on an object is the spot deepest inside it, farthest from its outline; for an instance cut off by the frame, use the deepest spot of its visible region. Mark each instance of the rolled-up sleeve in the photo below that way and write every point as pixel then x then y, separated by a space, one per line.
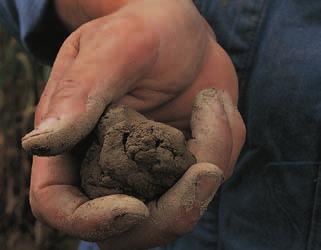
pixel 35 24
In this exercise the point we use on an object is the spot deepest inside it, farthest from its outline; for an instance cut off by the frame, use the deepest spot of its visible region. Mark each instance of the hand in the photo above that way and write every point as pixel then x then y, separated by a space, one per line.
pixel 153 56
pixel 75 13
pixel 217 138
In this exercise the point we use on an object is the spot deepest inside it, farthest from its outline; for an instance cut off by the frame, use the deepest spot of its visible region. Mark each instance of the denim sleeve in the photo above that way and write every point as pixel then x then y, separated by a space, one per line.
pixel 35 25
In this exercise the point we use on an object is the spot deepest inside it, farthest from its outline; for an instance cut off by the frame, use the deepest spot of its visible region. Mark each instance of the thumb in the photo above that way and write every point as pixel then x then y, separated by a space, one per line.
pixel 70 105
pixel 77 98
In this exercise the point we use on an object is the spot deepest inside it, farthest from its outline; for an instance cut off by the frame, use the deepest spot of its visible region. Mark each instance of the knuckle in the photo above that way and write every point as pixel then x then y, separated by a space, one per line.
pixel 67 84
pixel 71 44
pixel 66 88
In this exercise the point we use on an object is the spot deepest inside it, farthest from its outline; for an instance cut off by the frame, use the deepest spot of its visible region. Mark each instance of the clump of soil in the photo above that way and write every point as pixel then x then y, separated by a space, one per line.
pixel 133 155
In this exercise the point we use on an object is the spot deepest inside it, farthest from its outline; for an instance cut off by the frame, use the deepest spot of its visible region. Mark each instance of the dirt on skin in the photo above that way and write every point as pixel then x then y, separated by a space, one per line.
pixel 133 155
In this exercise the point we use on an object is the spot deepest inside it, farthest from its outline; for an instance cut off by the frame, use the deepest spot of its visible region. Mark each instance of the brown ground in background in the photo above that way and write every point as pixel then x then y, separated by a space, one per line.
pixel 21 80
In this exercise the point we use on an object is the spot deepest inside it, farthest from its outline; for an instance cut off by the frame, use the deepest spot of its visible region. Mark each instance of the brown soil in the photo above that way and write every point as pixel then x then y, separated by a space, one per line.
pixel 133 155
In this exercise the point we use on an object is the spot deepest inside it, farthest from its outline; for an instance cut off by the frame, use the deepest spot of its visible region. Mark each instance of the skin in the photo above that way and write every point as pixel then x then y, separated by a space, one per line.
pixel 154 56
pixel 74 13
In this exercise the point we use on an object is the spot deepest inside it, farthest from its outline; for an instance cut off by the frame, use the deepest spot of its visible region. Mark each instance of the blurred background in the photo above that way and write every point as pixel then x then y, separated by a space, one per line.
pixel 21 81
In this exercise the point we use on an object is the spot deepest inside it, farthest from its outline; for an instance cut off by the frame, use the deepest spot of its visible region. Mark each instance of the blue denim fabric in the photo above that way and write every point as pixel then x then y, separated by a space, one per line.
pixel 273 201
pixel 84 245
pixel 35 25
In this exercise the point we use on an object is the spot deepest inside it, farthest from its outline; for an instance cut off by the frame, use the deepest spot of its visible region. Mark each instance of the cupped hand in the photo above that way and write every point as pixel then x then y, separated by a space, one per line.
pixel 153 56
pixel 217 137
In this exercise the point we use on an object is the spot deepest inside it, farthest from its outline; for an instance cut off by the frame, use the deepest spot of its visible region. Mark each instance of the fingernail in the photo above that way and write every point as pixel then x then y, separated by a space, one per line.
pixel 207 186
pixel 124 222
pixel 44 127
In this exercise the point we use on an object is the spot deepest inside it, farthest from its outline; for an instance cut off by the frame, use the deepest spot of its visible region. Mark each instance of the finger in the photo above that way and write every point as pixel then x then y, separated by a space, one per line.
pixel 211 133
pixel 224 123
pixel 66 55
pixel 176 212
pixel 237 128
pixel 56 201
pixel 93 81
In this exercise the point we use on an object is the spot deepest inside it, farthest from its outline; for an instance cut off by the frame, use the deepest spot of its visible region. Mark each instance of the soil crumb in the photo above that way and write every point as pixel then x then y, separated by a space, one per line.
pixel 133 155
